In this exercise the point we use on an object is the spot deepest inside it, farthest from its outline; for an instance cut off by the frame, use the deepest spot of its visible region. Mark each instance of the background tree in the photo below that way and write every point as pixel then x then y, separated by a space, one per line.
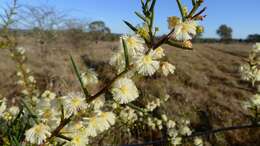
pixel 253 38
pixel 225 33
pixel 98 30
pixel 98 26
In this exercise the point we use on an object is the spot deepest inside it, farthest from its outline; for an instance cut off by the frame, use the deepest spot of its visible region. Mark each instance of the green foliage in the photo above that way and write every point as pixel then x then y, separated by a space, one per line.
pixel 253 38
pixel 225 33
pixel 99 26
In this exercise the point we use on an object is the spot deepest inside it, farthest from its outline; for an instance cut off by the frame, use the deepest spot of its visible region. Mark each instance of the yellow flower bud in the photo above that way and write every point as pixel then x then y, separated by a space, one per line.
pixel 173 21
pixel 185 10
pixel 143 32
pixel 187 44
pixel 200 29
pixel 7 116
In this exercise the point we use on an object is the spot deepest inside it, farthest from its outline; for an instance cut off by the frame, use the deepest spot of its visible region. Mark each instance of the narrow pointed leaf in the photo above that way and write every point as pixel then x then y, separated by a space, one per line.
pixel 126 55
pixel 140 16
pixel 193 2
pixel 130 26
pixel 79 77
pixel 143 5
pixel 181 9
pixel 152 6
pixel 32 115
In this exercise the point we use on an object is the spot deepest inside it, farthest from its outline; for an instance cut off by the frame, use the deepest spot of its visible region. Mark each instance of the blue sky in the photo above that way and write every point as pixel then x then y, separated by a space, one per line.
pixel 242 15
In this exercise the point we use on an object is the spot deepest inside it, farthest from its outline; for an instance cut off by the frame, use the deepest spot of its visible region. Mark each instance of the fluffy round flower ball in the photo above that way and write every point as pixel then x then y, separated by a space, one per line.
pixel 98 103
pixel 146 64
pixel 103 121
pixel 49 95
pixel 198 142
pixel 124 91
pixel 108 119
pixel 118 61
pixel 185 30
pixel 78 140
pixel 73 103
pixel 128 115
pixel 159 53
pixel 255 100
pixel 89 77
pixel 167 68
pixel 135 44
pixel 37 134
pixel 256 47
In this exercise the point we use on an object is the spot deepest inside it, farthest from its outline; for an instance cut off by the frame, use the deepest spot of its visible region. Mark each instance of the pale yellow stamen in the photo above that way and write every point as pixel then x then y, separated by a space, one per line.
pixel 131 42
pixel 124 89
pixel 75 101
pixel 147 59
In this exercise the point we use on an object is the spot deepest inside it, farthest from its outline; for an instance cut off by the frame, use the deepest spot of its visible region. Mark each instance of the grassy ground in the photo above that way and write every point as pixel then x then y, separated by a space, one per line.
pixel 205 88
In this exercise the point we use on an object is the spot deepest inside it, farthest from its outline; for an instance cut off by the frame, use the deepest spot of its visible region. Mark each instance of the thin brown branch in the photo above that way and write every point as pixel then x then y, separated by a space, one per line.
pixel 199 13
pixel 64 137
pixel 104 89
pixel 56 132
pixel 163 40
pixel 194 9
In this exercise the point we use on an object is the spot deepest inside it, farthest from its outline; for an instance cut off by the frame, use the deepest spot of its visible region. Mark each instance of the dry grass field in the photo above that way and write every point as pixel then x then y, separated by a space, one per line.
pixel 206 86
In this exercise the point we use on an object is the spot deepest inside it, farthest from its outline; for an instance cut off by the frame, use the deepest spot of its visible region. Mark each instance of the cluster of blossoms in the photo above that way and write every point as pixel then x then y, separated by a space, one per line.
pixel 25 78
pixel 87 120
pixel 89 77
pixel 183 30
pixel 8 113
pixel 76 118
pixel 250 72
pixel 144 63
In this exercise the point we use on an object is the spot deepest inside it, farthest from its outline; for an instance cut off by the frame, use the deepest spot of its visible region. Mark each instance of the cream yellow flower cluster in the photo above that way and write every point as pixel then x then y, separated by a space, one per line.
pixel 74 103
pixel 89 119
pixel 79 139
pixel 145 64
pixel 124 91
pixel 48 110
pixel 184 31
pixel 8 113
pixel 198 141
pixel 254 102
pixel 135 45
pixel 153 105
pixel 167 68
pixel 178 129
pixel 256 47
pixel 250 71
pixel 25 78
pixel 98 103
pixel 38 133
pixel 89 77
pixel 74 118
pixel 128 115
pixel 99 123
